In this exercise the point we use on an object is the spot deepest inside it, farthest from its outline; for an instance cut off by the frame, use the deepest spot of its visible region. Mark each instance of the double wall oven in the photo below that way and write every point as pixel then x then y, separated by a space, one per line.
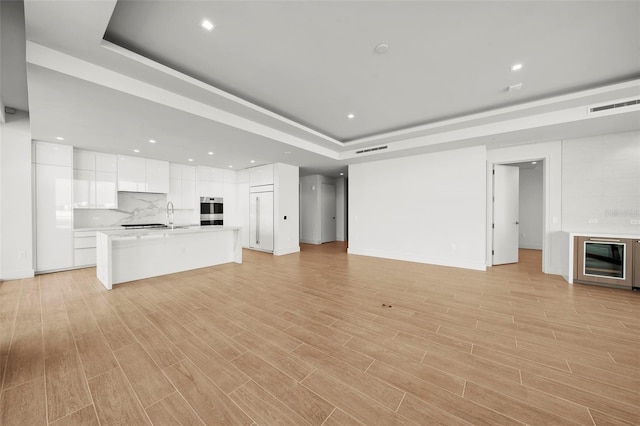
pixel 211 211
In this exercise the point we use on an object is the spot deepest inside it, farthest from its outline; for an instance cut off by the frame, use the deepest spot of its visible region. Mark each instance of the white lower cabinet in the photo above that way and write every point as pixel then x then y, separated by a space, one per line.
pixel 54 212
pixel 84 248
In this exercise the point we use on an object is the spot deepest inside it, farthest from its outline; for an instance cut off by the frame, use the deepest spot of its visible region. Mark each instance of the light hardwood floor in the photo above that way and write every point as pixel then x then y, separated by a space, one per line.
pixel 320 338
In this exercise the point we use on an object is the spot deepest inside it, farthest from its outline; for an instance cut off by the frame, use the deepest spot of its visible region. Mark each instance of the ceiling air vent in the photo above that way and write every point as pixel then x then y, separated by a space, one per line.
pixel 625 103
pixel 377 148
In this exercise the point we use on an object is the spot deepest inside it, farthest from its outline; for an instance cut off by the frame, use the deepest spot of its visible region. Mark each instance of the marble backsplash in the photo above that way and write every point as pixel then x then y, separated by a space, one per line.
pixel 133 208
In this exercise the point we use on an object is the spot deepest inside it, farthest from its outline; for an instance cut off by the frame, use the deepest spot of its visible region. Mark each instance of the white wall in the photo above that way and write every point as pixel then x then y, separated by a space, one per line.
pixel 286 210
pixel 16 220
pixel 310 209
pixel 531 208
pixel 427 208
pixel 601 183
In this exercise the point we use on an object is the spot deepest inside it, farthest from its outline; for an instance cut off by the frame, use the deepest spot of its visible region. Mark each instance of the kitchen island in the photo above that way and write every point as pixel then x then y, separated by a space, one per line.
pixel 128 255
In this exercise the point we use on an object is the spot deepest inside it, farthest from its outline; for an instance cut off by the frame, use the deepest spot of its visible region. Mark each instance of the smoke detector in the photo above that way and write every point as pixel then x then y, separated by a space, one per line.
pixel 381 48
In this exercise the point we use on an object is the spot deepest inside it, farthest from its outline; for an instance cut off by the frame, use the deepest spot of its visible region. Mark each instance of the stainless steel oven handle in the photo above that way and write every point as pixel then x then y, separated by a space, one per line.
pixel 608 240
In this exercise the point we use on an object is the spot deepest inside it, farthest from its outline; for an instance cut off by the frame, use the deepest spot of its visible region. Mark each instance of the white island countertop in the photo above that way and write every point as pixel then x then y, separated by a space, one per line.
pixel 168 231
pixel 124 255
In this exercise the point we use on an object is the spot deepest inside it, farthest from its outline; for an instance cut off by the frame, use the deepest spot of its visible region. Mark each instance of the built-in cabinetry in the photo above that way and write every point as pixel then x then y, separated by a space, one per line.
pixel 142 175
pixel 95 180
pixel 272 218
pixel 182 186
pixel 211 182
pixel 84 248
pixel 261 175
pixel 53 171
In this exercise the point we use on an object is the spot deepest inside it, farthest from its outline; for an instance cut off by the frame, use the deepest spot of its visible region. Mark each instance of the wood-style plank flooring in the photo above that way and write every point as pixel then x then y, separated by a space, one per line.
pixel 320 338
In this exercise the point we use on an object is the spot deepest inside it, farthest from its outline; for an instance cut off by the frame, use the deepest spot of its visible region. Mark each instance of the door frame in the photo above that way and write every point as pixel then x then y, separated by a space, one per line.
pixel 546 201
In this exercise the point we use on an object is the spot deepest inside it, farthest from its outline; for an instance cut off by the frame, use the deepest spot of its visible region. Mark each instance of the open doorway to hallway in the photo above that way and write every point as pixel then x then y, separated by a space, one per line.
pixel 518 211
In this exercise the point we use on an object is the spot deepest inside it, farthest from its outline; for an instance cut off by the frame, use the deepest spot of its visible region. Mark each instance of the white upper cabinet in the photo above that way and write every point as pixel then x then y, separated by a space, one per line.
pixel 211 181
pixel 262 175
pixel 182 186
pixel 54 154
pixel 131 174
pixel 157 174
pixel 84 160
pixel 142 175
pixel 106 190
pixel 94 180
pixel 106 163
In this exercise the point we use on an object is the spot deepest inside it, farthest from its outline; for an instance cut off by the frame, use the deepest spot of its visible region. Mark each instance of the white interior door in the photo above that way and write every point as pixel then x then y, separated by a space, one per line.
pixel 328 215
pixel 506 186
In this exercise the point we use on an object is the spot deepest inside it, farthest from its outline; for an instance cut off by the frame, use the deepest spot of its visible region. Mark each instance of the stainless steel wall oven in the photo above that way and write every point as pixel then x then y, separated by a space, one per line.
pixel 211 211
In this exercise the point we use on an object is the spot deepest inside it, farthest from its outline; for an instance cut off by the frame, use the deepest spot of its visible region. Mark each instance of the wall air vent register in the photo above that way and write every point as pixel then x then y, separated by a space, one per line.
pixel 377 148
pixel 620 106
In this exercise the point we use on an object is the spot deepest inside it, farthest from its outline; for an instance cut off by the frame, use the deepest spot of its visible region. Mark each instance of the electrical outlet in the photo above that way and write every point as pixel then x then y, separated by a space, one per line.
pixel 635 221
pixel 593 220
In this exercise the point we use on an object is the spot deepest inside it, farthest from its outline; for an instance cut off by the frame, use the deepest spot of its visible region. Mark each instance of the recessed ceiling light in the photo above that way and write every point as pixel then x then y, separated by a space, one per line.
pixel 230 166
pixel 189 159
pixel 341 174
pixel 207 25
pixel 381 48
pixel 351 116
pixel 60 138
pixel 516 67
pixel 136 150
pixel 152 141
pixel 253 161
pixel 534 162
pixel 210 153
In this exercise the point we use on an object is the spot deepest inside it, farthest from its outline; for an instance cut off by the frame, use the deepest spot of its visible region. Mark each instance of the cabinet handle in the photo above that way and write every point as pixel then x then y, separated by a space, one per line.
pixel 609 240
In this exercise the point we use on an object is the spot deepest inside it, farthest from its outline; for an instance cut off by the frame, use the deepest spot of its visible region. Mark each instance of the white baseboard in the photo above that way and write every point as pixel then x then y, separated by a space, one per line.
pixel 285 251
pixel 310 242
pixel 529 246
pixel 17 274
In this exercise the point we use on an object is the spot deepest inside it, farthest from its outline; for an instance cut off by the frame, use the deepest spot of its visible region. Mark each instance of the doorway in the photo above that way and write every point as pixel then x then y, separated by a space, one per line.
pixel 518 207
pixel 328 213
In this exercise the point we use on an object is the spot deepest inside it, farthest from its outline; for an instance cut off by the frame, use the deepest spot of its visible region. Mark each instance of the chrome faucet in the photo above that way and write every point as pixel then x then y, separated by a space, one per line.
pixel 170 213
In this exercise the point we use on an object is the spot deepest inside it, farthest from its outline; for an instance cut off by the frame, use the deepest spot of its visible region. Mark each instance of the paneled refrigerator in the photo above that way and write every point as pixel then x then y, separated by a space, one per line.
pixel 261 218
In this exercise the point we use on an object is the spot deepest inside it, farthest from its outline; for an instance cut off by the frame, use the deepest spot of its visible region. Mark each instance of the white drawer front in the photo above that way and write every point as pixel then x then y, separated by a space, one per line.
pixel 84 242
pixel 84 233
pixel 84 257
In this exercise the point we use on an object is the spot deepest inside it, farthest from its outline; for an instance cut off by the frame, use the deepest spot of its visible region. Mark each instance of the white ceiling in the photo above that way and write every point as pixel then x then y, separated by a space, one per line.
pixel 274 81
